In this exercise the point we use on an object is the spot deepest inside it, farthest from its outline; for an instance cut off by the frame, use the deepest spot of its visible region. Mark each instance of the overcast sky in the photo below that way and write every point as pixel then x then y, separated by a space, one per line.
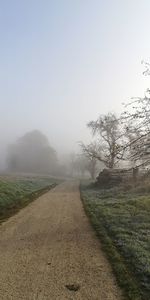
pixel 65 62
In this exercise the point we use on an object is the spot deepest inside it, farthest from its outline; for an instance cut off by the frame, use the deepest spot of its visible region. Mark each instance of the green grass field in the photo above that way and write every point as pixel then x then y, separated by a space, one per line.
pixel 122 221
pixel 16 193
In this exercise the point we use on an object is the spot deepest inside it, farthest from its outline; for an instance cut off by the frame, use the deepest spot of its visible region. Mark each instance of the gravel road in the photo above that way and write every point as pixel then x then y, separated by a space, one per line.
pixel 48 251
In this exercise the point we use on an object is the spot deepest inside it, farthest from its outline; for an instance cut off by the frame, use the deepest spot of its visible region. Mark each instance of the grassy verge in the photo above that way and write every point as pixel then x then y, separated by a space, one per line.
pixel 17 193
pixel 122 221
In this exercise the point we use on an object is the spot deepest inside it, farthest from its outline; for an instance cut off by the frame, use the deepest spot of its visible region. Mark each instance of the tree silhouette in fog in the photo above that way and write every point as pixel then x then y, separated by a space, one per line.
pixel 32 153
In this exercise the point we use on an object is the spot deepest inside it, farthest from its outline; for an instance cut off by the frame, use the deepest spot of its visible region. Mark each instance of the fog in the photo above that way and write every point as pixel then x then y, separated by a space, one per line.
pixel 63 63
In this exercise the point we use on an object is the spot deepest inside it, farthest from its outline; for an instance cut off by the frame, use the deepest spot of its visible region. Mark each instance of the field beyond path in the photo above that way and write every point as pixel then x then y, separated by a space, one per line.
pixel 49 251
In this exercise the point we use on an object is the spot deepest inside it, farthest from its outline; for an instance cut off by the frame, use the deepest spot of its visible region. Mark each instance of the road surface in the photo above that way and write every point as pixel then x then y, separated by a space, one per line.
pixel 48 251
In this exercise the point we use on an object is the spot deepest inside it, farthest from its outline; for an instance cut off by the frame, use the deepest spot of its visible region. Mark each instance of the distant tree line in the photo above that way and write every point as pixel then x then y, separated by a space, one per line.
pixel 82 165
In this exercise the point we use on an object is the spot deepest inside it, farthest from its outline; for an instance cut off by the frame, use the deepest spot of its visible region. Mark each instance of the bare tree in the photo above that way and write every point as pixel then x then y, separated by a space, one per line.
pixel 147 67
pixel 86 163
pixel 92 166
pixel 108 145
pixel 136 118
pixel 137 126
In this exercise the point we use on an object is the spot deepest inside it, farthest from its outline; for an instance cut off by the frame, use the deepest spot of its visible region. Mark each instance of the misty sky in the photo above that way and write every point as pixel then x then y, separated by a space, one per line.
pixel 64 62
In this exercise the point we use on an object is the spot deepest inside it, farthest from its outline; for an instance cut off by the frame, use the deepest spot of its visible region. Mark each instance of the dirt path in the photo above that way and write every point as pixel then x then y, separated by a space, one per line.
pixel 49 245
